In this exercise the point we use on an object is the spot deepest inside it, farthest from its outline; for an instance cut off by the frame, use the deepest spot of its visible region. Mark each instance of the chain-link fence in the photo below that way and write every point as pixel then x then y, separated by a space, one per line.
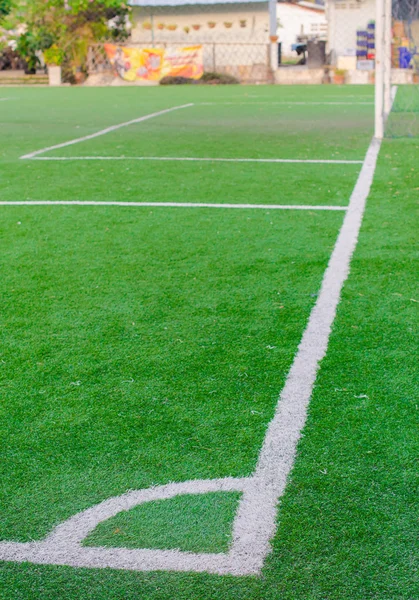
pixel 403 120
pixel 249 63
pixel 234 37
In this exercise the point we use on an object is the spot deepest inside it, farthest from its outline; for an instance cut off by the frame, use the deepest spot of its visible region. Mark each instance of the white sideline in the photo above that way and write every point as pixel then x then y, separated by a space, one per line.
pixel 284 103
pixel 255 521
pixel 169 204
pixel 198 159
pixel 106 130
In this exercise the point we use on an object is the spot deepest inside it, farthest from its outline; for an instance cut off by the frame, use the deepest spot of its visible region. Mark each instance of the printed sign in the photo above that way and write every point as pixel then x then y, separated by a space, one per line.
pixel 152 64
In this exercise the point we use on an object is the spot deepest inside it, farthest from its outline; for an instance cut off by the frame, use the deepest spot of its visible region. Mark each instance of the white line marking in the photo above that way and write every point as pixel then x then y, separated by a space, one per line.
pixel 169 204
pixel 4 99
pixel 285 103
pixel 255 521
pixel 63 545
pixel 107 130
pixel 314 161
pixel 342 96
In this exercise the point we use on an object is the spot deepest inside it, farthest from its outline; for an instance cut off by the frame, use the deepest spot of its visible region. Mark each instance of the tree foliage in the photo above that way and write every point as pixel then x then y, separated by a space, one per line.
pixel 5 8
pixel 71 26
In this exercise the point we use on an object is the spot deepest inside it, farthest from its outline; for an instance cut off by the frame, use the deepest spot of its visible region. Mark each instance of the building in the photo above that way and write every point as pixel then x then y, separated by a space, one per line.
pixel 234 34
pixel 344 18
pixel 300 19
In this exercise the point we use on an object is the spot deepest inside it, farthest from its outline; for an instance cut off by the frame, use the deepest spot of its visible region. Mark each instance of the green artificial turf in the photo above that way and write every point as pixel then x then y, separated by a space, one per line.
pixel 143 346
pixel 40 118
pixel 200 523
pixel 403 120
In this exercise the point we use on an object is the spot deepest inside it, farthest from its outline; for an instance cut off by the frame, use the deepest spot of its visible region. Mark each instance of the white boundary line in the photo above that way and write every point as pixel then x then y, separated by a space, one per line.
pixel 106 130
pixel 36 154
pixel 198 159
pixel 169 204
pixel 343 96
pixel 285 103
pixel 255 521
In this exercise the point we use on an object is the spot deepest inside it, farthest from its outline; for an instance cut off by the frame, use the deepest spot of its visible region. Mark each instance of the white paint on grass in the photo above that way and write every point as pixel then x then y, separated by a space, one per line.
pixel 63 545
pixel 106 130
pixel 286 103
pixel 203 159
pixel 169 204
pixel 255 521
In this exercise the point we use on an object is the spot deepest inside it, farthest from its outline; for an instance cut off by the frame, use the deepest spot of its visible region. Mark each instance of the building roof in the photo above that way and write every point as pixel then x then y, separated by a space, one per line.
pixel 311 5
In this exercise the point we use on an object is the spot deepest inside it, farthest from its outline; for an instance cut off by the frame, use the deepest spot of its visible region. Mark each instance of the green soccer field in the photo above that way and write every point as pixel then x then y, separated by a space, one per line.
pixel 163 254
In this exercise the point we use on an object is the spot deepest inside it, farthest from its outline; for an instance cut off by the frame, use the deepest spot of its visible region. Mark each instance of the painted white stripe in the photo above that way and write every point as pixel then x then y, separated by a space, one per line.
pixel 4 99
pixel 107 130
pixel 286 103
pixel 256 518
pixel 169 204
pixel 343 96
pixel 63 545
pixel 346 96
pixel 313 161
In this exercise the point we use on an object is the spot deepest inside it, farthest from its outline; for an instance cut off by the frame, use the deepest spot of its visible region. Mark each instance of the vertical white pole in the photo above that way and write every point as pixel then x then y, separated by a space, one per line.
pixel 387 57
pixel 272 31
pixel 379 69
pixel 331 28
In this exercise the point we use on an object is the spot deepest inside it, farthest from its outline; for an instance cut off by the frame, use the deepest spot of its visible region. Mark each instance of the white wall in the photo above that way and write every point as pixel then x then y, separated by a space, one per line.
pixel 256 29
pixel 344 18
pixel 296 20
pixel 240 50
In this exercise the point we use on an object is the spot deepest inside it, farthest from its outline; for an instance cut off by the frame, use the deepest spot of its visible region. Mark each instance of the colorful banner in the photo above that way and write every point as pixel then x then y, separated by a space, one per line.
pixel 152 64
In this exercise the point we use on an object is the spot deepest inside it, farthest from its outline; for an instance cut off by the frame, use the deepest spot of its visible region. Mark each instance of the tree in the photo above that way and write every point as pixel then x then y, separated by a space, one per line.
pixel 71 25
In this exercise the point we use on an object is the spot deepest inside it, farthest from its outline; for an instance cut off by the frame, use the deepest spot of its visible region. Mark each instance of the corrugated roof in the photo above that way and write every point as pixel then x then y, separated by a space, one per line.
pixel 184 2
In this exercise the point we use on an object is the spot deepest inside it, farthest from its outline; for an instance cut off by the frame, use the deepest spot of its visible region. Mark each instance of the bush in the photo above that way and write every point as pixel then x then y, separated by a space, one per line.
pixel 177 80
pixel 10 59
pixel 207 78
pixel 53 55
pixel 218 78
pixel 27 48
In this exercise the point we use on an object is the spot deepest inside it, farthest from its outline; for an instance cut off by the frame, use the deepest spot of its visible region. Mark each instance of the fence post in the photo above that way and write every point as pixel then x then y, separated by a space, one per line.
pixel 273 26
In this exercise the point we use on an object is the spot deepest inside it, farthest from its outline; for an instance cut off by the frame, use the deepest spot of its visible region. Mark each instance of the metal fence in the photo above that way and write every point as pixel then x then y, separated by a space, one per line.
pixel 403 120
pixel 248 62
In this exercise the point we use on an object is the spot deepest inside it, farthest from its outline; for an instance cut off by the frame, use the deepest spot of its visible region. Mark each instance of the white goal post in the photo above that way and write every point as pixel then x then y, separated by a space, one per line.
pixel 382 65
